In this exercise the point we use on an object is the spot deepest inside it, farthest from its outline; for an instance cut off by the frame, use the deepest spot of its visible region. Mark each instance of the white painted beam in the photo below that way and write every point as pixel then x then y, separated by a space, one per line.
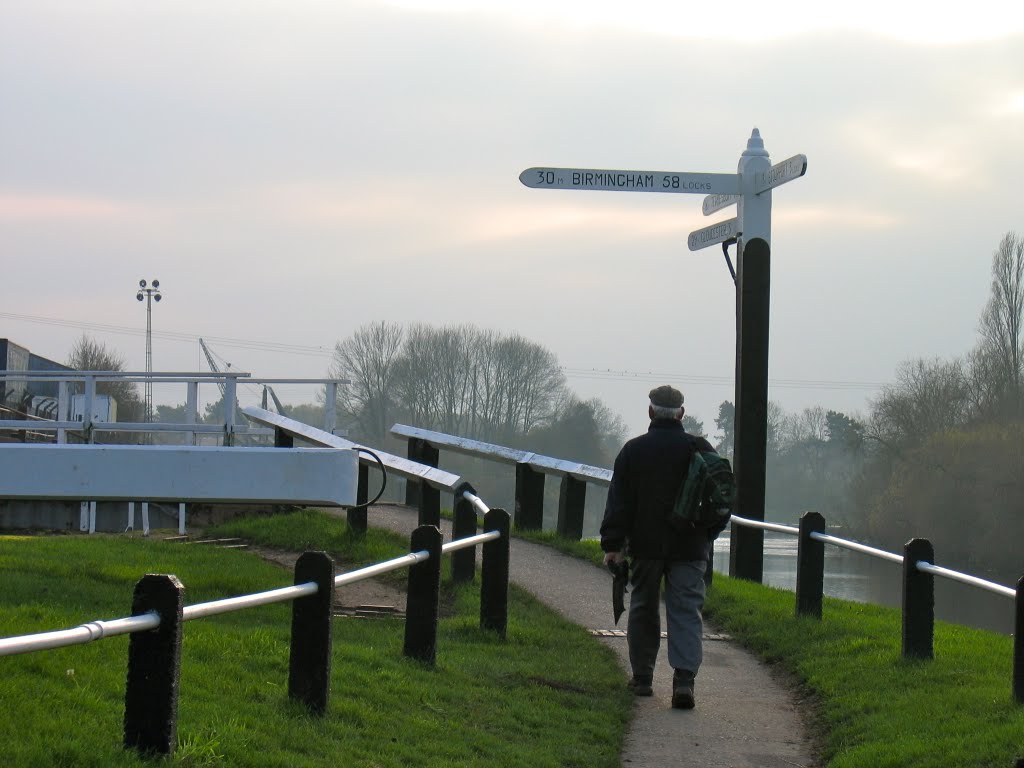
pixel 208 474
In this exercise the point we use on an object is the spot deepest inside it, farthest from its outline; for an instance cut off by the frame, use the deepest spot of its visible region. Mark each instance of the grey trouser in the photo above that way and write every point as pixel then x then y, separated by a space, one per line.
pixel 684 599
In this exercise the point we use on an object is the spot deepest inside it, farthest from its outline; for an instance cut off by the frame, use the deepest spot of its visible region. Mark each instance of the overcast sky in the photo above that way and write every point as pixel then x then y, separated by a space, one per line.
pixel 292 170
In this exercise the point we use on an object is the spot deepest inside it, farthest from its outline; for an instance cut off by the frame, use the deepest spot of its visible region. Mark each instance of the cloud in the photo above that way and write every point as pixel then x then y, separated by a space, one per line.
pixel 57 207
pixel 833 218
pixel 1011 104
pixel 750 19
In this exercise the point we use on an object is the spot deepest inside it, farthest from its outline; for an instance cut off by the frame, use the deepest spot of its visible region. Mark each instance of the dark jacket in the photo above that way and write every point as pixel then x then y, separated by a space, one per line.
pixel 648 473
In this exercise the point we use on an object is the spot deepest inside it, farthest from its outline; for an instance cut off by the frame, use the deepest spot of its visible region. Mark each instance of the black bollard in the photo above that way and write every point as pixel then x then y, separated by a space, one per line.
pixel 309 661
pixel 494 574
pixel 1018 645
pixel 572 499
pixel 918 601
pixel 154 667
pixel 422 597
pixel 810 566
pixel 529 498
pixel 463 526
pixel 356 517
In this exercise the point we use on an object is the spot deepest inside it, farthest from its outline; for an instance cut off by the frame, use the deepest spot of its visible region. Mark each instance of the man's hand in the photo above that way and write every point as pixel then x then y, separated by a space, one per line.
pixel 613 557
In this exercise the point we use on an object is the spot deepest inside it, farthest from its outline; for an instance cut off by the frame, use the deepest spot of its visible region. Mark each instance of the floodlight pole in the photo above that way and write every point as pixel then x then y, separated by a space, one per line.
pixel 150 292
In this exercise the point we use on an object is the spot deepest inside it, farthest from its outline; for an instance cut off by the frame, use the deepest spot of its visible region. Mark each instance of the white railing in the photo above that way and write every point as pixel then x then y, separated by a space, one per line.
pixel 918 599
pixel 921 565
pixel 228 427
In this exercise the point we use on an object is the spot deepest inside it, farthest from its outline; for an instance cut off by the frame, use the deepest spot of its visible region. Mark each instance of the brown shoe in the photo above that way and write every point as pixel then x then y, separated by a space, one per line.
pixel 641 686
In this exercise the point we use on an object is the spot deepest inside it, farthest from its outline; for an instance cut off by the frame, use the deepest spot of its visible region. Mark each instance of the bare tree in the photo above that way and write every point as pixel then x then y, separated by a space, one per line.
pixel 1001 351
pixel 524 384
pixel 370 359
pixel 415 389
pixel 929 396
pixel 87 354
pixel 458 379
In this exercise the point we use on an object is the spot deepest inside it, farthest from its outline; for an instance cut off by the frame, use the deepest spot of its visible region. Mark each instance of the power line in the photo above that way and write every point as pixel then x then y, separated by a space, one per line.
pixel 595 374
pixel 268 346
pixel 592 374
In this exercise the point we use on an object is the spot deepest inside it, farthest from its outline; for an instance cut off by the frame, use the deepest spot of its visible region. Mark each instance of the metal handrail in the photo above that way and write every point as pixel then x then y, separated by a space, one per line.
pixel 476 501
pixel 920 565
pixel 389 565
pixel 500 453
pixel 857 547
pixel 965 578
pixel 84 633
pixel 97 630
pixel 91 378
pixel 228 604
pixel 765 526
pixel 470 541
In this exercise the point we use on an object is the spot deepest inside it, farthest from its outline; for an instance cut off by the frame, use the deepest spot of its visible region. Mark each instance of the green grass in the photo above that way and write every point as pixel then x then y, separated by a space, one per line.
pixel 549 695
pixel 869 707
pixel 874 707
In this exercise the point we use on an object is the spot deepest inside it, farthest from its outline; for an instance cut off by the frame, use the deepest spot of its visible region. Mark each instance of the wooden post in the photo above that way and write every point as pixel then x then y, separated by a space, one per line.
pixel 529 498
pixel 747 543
pixel 356 517
pixel 918 601
pixel 420 451
pixel 423 596
pixel 430 505
pixel 572 499
pixel 309 660
pixel 1018 644
pixel 154 668
pixel 494 574
pixel 810 566
pixel 754 221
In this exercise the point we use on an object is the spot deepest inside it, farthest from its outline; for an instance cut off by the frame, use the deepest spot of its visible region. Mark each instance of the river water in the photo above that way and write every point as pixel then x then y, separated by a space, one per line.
pixel 866 579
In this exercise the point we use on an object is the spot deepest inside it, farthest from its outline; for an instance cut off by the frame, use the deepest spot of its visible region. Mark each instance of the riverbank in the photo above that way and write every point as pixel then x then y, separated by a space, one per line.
pixel 874 708
pixel 869 707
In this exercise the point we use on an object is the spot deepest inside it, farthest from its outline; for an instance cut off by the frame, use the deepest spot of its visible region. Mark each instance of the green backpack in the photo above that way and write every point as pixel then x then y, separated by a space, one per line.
pixel 706 497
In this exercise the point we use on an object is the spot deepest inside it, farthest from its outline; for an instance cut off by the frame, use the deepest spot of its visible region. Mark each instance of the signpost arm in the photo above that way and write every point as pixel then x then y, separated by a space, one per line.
pixel 752 315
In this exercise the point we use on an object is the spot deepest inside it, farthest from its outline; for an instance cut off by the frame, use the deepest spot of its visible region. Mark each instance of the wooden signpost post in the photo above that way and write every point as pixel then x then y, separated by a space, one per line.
pixel 750 190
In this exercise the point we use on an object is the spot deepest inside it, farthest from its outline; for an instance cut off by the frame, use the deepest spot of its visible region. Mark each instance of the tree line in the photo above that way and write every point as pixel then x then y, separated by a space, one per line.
pixel 940 453
pixel 462 380
pixel 945 443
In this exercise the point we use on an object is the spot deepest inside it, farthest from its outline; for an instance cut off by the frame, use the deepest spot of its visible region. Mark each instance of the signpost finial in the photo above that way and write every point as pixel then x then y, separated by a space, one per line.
pixel 755 145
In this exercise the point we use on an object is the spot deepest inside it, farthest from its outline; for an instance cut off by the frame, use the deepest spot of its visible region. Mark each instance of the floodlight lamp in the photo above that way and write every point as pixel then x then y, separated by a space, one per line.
pixel 142 283
pixel 139 295
pixel 156 283
pixel 156 296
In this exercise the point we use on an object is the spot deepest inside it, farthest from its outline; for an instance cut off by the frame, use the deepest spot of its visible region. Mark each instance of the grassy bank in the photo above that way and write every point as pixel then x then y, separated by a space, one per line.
pixel 550 695
pixel 871 708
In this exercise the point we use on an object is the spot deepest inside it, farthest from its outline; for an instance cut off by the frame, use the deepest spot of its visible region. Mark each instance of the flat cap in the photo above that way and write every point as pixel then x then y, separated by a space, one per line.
pixel 666 397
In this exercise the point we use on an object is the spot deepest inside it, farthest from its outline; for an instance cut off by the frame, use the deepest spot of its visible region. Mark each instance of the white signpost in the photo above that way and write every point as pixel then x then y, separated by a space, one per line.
pixel 780 173
pixel 714 203
pixel 630 181
pixel 749 189
pixel 715 234
pixel 721 190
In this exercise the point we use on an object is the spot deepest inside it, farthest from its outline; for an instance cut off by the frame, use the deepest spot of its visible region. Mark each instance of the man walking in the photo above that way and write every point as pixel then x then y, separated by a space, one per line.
pixel 648 473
